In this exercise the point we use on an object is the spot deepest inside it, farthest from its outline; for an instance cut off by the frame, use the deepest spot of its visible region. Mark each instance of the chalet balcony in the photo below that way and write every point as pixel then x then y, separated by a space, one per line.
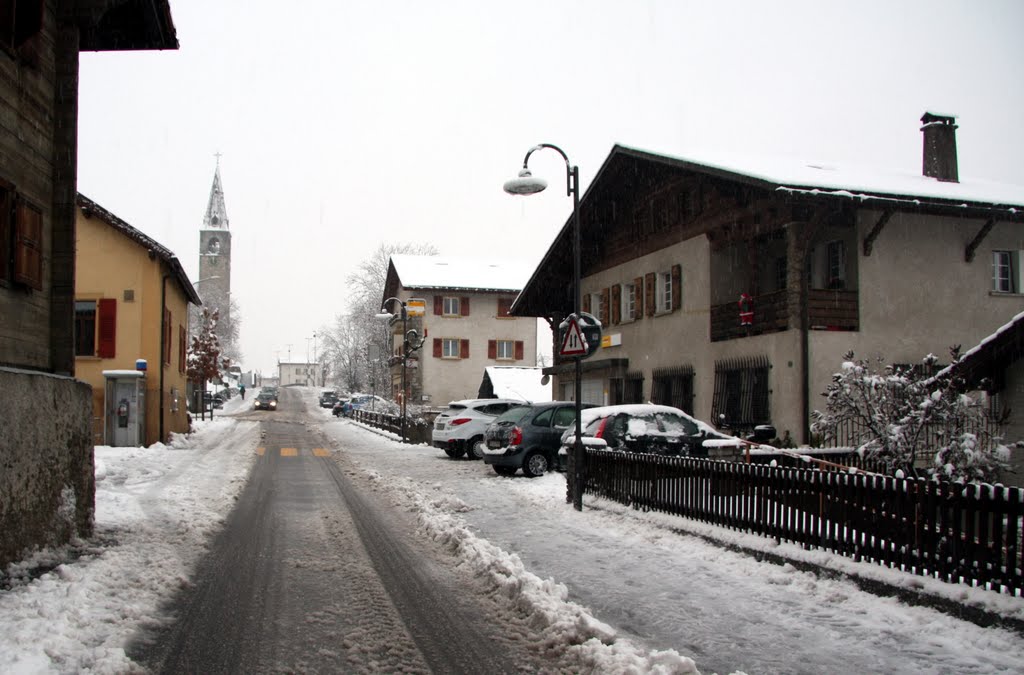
pixel 826 309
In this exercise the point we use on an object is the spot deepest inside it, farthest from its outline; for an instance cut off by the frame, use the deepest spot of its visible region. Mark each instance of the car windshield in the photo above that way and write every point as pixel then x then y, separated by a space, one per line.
pixel 514 415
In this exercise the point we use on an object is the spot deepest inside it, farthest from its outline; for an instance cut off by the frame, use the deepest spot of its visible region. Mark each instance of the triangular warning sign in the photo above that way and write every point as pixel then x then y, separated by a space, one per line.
pixel 573 344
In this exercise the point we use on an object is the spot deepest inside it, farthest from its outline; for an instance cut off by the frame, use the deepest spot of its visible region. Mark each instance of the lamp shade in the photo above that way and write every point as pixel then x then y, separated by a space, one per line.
pixel 525 184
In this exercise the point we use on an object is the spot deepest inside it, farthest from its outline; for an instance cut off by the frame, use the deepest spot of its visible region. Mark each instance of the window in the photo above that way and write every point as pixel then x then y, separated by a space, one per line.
pixel 836 252
pixel 1004 272
pixel 597 304
pixel 664 292
pixel 167 337
pixel 504 307
pixel 451 307
pixel 182 352
pixel 741 398
pixel 85 328
pixel 451 348
pixel 506 349
pixel 781 273
pixel 674 387
pixel 564 417
pixel 628 302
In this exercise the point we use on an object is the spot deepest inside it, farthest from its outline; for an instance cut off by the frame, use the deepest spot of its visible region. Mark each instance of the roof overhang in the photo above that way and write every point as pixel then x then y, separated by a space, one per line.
pixel 125 25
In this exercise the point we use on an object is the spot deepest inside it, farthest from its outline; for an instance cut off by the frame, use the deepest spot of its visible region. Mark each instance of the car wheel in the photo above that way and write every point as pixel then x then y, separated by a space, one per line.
pixel 535 464
pixel 448 451
pixel 458 451
pixel 476 448
pixel 504 470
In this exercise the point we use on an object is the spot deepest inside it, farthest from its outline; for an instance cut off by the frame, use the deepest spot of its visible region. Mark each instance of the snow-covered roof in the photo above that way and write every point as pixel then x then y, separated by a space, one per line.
pixel 848 179
pixel 519 382
pixel 434 271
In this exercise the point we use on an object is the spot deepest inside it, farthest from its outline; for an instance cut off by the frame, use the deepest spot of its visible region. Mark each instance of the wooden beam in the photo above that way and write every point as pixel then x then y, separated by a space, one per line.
pixel 869 241
pixel 978 238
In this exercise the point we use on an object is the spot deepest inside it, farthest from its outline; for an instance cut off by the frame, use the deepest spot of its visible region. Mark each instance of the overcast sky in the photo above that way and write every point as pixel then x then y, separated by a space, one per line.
pixel 343 125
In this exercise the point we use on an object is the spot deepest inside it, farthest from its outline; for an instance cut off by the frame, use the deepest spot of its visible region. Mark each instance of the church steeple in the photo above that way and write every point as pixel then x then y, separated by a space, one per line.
pixel 216 213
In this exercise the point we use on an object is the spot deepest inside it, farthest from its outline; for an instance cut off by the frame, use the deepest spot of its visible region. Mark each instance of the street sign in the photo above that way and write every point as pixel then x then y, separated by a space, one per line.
pixel 573 344
pixel 416 307
pixel 591 329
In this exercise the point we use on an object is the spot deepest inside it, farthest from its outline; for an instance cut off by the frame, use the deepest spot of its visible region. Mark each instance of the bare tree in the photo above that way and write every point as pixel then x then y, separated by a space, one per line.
pixel 356 336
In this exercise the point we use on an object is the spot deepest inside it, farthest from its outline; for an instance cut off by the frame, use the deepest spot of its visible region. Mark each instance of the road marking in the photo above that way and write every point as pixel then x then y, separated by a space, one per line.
pixel 289 452
pixel 320 452
pixel 261 451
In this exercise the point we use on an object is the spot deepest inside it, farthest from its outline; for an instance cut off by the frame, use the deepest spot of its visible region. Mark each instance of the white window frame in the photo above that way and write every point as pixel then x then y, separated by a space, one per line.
pixel 595 304
pixel 505 350
pixel 451 306
pixel 663 292
pixel 628 302
pixel 1005 265
pixel 447 347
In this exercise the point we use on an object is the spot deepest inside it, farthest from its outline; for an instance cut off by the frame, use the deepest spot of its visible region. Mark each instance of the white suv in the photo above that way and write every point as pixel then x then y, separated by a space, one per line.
pixel 459 430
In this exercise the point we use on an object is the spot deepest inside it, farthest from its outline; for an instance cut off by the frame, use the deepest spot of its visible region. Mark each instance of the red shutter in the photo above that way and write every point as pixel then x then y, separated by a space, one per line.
pixel 6 198
pixel 107 343
pixel 181 349
pixel 586 302
pixel 464 349
pixel 437 348
pixel 677 287
pixel 28 246
pixel 519 350
pixel 167 337
pixel 492 349
pixel 464 306
pixel 616 303
pixel 504 306
pixel 605 304
pixel 438 305
pixel 649 294
pixel 638 297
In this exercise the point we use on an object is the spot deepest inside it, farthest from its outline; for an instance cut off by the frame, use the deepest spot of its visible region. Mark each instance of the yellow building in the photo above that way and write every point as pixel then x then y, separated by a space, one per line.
pixel 131 304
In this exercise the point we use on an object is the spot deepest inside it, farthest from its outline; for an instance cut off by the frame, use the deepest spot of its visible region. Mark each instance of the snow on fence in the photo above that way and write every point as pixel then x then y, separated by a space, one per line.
pixel 417 430
pixel 958 533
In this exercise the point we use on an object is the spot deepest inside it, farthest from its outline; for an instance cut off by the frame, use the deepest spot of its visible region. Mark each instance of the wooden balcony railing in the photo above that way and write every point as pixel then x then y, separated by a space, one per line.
pixel 771 315
pixel 833 310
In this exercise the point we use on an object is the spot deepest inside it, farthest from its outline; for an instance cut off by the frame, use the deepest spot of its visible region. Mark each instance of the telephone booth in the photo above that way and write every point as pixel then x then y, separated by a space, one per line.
pixel 124 408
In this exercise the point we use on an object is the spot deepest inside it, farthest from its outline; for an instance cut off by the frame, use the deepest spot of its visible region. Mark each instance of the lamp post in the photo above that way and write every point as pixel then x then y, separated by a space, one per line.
pixel 526 184
pixel 410 343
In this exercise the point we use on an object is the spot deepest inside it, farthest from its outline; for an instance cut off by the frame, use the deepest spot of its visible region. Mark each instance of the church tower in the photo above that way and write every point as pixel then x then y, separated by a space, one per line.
pixel 215 253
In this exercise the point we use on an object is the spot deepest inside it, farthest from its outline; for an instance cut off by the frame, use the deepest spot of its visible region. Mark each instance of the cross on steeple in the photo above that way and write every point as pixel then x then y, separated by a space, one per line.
pixel 217 155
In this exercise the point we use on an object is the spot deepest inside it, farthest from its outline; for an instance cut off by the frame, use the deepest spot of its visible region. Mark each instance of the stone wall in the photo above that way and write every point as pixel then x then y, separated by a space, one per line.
pixel 47 476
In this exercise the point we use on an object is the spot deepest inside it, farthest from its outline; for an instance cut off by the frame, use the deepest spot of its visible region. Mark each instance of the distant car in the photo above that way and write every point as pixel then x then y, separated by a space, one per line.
pixel 338 409
pixel 528 438
pixel 328 399
pixel 265 401
pixel 459 430
pixel 650 429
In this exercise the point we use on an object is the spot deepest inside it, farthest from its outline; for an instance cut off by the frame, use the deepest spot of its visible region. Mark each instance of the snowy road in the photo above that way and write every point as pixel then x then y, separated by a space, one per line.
pixel 669 591
pixel 310 575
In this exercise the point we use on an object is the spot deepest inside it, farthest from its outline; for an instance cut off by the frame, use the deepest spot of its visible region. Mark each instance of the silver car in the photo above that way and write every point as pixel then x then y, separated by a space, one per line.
pixel 459 430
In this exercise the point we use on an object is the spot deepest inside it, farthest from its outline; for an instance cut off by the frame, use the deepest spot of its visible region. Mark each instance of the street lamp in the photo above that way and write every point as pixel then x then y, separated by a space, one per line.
pixel 410 342
pixel 526 184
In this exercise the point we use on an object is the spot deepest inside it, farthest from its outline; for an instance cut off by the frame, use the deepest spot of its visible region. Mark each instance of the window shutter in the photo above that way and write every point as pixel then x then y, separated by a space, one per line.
pixel 504 306
pixel 463 349
pixel 28 246
pixel 167 337
pixel 616 305
pixel 464 306
pixel 492 349
pixel 181 349
pixel 437 347
pixel 677 287
pixel 519 350
pixel 638 297
pixel 438 305
pixel 586 302
pixel 649 305
pixel 107 343
pixel 605 296
pixel 6 201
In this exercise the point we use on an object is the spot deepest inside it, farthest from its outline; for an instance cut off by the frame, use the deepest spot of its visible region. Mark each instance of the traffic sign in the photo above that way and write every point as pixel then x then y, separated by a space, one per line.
pixel 573 344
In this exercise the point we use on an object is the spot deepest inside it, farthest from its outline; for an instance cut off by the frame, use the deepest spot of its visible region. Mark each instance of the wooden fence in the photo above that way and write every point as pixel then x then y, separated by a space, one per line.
pixel 958 533
pixel 417 430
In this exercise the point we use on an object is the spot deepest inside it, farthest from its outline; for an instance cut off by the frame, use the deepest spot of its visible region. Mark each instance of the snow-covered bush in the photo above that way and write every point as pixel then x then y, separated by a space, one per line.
pixel 899 414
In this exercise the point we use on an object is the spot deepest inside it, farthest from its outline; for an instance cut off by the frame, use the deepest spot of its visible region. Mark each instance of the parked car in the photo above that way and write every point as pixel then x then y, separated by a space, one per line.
pixel 459 430
pixel 655 429
pixel 265 401
pixel 528 438
pixel 328 399
pixel 338 409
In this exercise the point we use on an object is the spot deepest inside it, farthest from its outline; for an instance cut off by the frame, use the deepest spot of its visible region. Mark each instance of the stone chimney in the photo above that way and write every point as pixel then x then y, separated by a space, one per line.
pixel 940 147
